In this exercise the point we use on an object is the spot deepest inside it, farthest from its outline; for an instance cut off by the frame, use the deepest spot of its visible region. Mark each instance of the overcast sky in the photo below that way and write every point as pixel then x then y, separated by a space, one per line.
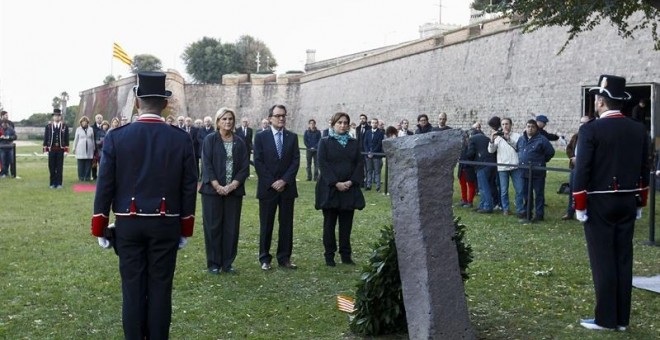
pixel 48 47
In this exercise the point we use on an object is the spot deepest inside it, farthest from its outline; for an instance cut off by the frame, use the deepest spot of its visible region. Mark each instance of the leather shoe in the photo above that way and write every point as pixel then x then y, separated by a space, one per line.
pixel 230 270
pixel 567 217
pixel 330 262
pixel 214 271
pixel 265 266
pixel 288 265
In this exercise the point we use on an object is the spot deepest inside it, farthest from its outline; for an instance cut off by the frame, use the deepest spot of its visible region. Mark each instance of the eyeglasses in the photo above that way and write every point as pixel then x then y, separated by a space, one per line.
pixel 279 116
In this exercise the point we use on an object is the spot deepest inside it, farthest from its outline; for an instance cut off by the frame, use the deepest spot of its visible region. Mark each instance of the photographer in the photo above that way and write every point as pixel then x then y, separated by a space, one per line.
pixel 503 142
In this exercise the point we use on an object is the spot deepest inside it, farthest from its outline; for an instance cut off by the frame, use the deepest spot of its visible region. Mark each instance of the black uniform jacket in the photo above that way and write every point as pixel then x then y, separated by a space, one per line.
pixel 597 172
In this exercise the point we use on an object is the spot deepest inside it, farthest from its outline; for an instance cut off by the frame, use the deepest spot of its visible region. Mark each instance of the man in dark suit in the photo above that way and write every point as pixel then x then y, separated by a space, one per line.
pixel 147 175
pixel 193 131
pixel 610 187
pixel 245 132
pixel 56 145
pixel 373 143
pixel 206 129
pixel 96 127
pixel 276 160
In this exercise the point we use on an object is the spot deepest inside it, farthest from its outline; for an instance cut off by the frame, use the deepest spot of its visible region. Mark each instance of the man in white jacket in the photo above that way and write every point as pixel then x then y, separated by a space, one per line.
pixel 503 142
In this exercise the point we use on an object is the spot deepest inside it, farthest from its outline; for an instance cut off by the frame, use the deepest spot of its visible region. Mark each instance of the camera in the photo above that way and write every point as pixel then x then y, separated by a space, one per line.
pixel 499 132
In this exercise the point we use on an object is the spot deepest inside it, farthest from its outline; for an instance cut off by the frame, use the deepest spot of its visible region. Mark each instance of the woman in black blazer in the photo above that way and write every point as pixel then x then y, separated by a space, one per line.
pixel 338 191
pixel 226 167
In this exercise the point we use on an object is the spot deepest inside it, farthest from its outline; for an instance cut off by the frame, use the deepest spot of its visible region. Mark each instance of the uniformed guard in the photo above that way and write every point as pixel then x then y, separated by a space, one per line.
pixel 610 188
pixel 56 146
pixel 149 178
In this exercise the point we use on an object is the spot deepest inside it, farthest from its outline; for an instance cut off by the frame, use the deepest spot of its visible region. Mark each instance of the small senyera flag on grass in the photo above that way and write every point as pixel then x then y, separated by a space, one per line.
pixel 346 304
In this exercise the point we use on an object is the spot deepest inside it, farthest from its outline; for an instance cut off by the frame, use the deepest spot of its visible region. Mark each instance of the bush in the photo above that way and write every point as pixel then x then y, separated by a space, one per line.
pixel 379 307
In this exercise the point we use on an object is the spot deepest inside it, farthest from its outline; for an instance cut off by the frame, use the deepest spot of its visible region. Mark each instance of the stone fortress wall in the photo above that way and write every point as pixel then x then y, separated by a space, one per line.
pixel 471 73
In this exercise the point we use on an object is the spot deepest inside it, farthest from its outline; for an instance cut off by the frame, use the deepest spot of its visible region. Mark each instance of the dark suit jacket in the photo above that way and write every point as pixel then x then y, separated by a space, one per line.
pixel 142 163
pixel 202 133
pixel 194 131
pixel 246 138
pixel 271 168
pixel 478 150
pixel 373 141
pixel 214 158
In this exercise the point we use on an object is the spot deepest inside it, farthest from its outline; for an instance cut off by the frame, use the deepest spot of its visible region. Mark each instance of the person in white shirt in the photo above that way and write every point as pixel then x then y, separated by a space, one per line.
pixel 503 141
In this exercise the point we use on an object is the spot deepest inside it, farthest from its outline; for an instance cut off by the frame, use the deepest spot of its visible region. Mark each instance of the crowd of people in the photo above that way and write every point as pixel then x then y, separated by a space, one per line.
pixel 212 156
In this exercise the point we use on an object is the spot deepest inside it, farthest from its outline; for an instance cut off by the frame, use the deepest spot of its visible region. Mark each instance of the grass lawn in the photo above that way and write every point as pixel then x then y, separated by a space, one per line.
pixel 57 283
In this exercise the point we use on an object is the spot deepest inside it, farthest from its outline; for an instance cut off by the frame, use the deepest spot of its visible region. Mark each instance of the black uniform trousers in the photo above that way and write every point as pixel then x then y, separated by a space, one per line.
pixel 311 157
pixel 330 217
pixel 222 217
pixel 267 209
pixel 147 249
pixel 609 234
pixel 55 166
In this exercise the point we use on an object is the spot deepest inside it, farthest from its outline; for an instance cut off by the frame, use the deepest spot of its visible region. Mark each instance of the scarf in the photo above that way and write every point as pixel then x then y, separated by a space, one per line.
pixel 342 139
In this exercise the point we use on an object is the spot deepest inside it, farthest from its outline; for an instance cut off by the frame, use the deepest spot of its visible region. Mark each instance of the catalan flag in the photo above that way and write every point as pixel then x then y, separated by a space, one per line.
pixel 120 54
pixel 346 304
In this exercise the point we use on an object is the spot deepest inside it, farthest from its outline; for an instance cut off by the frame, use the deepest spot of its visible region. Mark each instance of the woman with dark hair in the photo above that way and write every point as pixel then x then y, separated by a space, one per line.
pixel 226 167
pixel 338 191
pixel 391 132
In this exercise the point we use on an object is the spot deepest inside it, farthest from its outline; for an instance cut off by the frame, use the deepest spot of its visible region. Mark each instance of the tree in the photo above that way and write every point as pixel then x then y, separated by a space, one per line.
pixel 208 59
pixel 145 62
pixel 579 16
pixel 250 50
pixel 57 102
pixel 109 79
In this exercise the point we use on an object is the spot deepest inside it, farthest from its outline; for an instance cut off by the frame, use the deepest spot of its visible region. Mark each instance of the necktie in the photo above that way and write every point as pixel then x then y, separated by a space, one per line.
pixel 278 143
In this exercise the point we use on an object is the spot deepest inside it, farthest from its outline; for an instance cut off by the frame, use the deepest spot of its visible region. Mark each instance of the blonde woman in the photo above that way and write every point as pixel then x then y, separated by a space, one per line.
pixel 225 162
pixel 83 147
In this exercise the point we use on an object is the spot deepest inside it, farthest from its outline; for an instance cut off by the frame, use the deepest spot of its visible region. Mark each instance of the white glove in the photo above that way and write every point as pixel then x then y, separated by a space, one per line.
pixel 639 213
pixel 182 242
pixel 581 215
pixel 104 242
pixel 66 154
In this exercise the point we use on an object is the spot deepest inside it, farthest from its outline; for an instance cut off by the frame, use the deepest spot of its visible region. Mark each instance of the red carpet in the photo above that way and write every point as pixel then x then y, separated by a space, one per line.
pixel 84 187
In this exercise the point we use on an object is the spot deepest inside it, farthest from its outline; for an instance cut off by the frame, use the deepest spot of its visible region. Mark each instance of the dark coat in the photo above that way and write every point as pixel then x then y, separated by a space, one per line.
pixel 570 150
pixel 478 150
pixel 194 131
pixel 271 168
pixel 470 174
pixel 536 151
pixel 214 158
pixel 339 164
pixel 247 138
pixel 426 129
pixel 550 136
pixel 311 139
pixel 202 133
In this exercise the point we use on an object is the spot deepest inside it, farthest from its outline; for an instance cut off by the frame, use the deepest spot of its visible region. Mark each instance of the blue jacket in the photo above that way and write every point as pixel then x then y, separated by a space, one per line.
pixel 373 141
pixel 311 139
pixel 536 151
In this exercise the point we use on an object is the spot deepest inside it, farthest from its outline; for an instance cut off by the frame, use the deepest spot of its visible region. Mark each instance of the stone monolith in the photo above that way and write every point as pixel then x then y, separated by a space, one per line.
pixel 421 176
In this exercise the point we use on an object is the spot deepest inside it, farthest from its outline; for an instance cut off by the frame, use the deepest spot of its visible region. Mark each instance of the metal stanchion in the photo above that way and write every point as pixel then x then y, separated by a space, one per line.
pixel 651 241
pixel 13 164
